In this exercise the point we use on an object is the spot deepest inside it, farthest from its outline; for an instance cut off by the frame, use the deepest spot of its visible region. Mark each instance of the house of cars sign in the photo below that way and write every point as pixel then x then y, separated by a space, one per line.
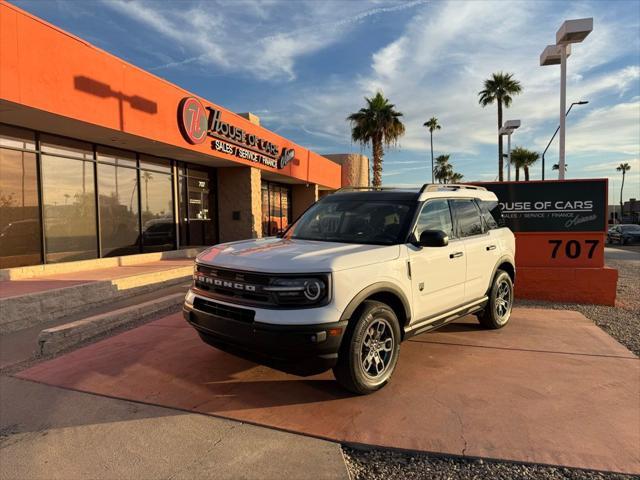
pixel 568 206
pixel 197 123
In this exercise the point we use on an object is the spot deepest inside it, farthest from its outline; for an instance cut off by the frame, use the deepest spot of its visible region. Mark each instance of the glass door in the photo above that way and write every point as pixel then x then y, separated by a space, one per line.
pixel 197 227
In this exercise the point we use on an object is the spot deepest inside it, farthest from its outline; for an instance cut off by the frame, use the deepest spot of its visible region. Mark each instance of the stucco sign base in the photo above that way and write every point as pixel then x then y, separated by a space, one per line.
pixel 550 388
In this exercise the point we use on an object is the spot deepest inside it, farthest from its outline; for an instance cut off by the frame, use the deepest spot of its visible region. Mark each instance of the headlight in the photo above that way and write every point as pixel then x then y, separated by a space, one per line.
pixel 303 291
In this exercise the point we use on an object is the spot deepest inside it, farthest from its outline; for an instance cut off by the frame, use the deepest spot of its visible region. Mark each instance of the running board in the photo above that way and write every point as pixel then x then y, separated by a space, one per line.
pixel 442 319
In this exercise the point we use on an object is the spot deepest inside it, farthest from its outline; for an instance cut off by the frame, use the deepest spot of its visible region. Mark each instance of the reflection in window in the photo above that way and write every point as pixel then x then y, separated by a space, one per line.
pixel 69 209
pixel 435 216
pixel 19 216
pixel 468 217
pixel 118 200
pixel 158 228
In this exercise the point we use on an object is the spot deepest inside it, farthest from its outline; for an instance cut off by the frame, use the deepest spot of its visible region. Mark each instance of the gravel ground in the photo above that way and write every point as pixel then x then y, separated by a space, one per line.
pixel 390 465
pixel 621 322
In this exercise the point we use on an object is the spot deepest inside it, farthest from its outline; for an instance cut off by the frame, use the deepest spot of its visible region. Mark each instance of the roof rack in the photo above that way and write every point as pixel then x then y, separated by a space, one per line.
pixel 443 187
pixel 376 189
pixel 434 187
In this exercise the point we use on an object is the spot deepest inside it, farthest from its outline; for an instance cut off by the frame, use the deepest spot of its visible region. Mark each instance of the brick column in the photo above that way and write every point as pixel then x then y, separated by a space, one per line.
pixel 239 203
pixel 302 196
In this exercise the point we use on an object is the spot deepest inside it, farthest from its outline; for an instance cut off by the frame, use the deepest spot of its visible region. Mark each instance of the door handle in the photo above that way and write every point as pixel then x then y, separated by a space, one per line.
pixel 455 255
pixel 491 247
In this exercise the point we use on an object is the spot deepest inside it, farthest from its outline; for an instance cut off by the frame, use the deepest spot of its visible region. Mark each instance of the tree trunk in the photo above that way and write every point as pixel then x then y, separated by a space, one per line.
pixel 431 133
pixel 500 159
pixel 517 173
pixel 526 174
pixel 621 188
pixel 377 161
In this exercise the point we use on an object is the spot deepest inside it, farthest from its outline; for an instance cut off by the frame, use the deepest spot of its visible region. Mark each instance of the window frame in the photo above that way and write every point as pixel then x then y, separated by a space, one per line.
pixel 454 233
pixel 457 222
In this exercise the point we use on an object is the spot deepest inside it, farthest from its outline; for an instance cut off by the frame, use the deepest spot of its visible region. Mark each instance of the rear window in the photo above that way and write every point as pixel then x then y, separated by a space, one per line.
pixel 491 214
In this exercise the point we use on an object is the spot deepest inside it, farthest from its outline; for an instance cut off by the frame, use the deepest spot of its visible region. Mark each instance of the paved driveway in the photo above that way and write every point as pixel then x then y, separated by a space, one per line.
pixel 550 388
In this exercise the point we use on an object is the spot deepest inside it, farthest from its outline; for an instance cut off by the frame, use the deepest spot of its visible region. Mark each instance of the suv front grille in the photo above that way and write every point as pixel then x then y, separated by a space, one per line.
pixel 232 284
pixel 224 311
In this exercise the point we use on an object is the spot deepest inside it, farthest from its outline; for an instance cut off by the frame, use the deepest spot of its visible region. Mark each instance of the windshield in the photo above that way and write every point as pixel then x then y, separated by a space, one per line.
pixel 354 221
pixel 630 228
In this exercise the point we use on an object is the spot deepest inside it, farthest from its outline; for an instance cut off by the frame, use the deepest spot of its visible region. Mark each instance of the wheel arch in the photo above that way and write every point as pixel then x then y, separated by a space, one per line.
pixel 384 292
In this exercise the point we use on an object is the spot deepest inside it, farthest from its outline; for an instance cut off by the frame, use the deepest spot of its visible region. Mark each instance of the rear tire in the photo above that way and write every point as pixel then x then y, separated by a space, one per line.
pixel 369 351
pixel 498 310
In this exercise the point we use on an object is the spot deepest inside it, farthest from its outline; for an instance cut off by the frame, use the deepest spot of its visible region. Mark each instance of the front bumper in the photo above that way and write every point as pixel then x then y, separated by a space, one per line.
pixel 299 349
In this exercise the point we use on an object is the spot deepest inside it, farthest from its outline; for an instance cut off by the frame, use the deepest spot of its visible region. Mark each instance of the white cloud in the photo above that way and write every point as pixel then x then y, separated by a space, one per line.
pixel 263 39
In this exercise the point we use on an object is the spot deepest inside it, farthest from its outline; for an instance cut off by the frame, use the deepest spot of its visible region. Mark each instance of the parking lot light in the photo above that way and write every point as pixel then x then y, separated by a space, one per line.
pixel 571 31
pixel 507 129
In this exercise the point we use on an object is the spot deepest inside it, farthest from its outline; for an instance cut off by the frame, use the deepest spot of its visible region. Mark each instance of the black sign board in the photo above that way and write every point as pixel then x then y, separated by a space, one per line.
pixel 553 206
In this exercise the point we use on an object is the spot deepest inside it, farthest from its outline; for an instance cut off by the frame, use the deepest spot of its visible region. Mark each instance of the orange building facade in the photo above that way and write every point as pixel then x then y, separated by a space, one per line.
pixel 101 158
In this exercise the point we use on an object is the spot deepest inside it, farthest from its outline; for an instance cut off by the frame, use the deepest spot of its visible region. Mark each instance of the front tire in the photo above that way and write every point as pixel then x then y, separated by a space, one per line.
pixel 369 351
pixel 498 310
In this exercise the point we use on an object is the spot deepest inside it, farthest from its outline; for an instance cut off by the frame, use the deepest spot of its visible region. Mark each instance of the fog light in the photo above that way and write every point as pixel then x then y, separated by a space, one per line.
pixel 188 299
pixel 319 337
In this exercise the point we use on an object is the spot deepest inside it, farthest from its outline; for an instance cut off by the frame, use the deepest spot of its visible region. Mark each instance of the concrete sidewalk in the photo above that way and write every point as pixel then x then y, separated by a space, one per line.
pixel 51 433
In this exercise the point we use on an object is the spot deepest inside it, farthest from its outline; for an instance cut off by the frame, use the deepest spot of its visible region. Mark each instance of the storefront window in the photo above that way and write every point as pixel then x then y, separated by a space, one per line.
pixel 276 211
pixel 14 137
pixel 65 147
pixel 116 157
pixel 69 209
pixel 158 227
pixel 118 201
pixel 20 228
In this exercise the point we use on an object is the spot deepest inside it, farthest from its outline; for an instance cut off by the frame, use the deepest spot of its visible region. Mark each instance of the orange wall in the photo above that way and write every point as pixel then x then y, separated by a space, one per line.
pixel 40 67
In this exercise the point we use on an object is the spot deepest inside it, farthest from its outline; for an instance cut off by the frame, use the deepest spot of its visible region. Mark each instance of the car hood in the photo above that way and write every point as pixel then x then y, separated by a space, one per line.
pixel 278 255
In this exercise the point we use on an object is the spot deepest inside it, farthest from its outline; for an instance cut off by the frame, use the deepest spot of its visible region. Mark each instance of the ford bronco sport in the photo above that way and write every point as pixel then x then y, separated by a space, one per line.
pixel 359 272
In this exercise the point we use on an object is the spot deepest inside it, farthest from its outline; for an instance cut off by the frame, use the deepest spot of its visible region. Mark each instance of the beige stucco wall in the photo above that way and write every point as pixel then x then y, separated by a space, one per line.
pixel 302 196
pixel 239 191
pixel 355 168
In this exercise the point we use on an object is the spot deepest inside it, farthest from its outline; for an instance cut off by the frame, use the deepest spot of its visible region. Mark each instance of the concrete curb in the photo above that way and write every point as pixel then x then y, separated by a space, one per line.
pixel 34 271
pixel 53 340
pixel 25 311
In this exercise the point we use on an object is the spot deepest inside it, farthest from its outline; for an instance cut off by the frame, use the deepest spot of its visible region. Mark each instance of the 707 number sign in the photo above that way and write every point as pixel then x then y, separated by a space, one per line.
pixel 573 248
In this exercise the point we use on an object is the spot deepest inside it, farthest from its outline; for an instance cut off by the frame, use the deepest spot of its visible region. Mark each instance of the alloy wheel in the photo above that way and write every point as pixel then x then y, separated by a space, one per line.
pixel 377 348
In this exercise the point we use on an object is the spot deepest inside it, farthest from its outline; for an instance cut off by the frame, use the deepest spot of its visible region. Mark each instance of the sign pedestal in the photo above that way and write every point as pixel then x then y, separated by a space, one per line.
pixel 560 236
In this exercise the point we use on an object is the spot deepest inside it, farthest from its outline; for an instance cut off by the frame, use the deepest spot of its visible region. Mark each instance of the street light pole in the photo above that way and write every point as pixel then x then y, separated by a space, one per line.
pixel 571 31
pixel 581 102
pixel 507 129
pixel 563 107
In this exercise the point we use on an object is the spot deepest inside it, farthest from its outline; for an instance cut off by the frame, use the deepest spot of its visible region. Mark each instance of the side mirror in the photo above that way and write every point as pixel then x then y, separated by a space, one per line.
pixel 433 238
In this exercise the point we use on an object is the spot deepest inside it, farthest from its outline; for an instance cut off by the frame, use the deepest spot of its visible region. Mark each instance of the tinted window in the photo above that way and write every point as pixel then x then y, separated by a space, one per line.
pixel 69 209
pixel 118 200
pixel 19 215
pixel 435 215
pixel 491 214
pixel 157 212
pixel 354 221
pixel 468 217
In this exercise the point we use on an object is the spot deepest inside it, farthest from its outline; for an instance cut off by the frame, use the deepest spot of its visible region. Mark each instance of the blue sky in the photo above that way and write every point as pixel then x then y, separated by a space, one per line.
pixel 304 66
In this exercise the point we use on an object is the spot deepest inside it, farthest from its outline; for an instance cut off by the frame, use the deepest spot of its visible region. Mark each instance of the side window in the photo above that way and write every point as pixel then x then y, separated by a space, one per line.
pixel 468 217
pixel 491 214
pixel 435 215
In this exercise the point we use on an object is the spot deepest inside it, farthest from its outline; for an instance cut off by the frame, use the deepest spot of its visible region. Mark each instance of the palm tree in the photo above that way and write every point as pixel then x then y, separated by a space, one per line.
pixel 499 88
pixel 456 177
pixel 432 124
pixel 624 168
pixel 523 158
pixel 146 176
pixel 442 170
pixel 379 124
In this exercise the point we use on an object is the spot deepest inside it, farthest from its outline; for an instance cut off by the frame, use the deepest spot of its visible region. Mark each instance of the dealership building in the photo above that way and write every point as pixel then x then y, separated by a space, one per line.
pixel 99 158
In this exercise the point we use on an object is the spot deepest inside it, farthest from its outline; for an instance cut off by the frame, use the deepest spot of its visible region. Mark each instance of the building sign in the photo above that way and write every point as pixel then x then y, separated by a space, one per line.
pixel 569 206
pixel 197 123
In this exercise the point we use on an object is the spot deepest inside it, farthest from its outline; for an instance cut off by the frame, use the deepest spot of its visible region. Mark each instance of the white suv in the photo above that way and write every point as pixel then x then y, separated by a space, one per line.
pixel 359 272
